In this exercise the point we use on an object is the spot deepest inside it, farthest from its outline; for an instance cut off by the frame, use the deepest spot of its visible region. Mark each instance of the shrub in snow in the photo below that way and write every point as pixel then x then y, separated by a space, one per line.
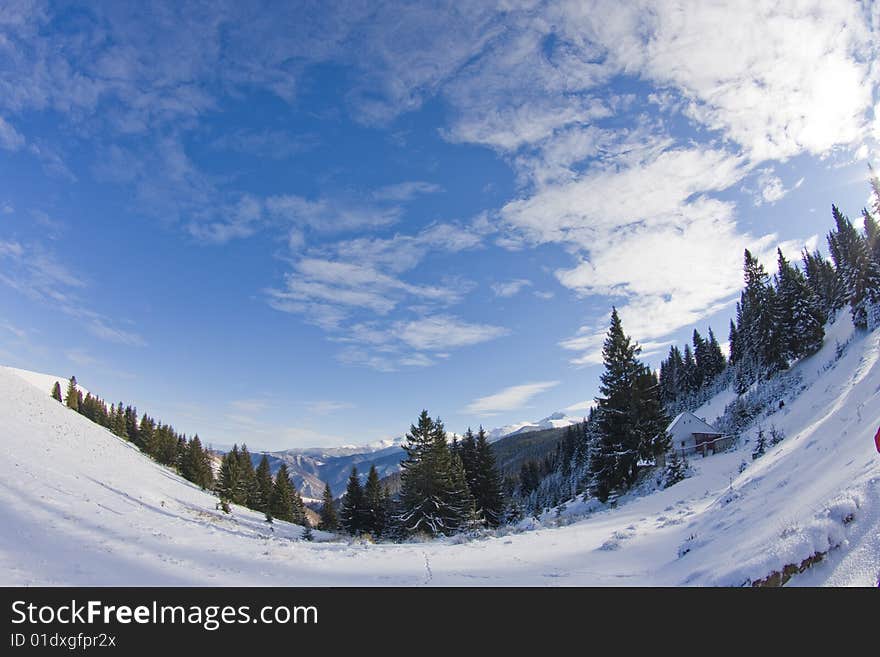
pixel 676 470
pixel 760 445
pixel 776 435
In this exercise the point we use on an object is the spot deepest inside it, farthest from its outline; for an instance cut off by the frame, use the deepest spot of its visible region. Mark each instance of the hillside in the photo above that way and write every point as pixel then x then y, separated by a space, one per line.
pixel 80 506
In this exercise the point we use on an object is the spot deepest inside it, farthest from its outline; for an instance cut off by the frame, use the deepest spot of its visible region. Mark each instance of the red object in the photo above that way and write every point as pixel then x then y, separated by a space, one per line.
pixel 877 440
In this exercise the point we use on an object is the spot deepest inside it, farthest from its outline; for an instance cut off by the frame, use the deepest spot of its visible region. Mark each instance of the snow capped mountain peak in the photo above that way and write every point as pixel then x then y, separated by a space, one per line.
pixel 552 421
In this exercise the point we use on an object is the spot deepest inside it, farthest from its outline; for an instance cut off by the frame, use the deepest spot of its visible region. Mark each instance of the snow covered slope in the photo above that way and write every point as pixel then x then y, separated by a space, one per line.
pixel 44 382
pixel 80 506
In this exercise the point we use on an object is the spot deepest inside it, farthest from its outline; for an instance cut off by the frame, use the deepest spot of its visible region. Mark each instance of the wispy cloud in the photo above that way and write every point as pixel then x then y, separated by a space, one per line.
pixel 327 406
pixel 510 288
pixel 274 144
pixel 405 191
pixel 10 138
pixel 509 399
pixel 249 405
pixel 38 274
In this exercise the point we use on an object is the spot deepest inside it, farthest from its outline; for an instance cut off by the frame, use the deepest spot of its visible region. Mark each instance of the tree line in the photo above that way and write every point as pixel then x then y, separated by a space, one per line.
pixel 156 439
pixel 446 487
pixel 238 482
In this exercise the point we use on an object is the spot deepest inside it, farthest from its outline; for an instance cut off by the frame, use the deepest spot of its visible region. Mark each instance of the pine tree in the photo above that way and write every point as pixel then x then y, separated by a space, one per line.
pixel 702 369
pixel 281 501
pixel 801 319
pixel 196 464
pixel 374 503
pixel 263 477
pixel 487 490
pixel 352 516
pixel 676 469
pixel 857 270
pixel 717 361
pixel 824 282
pixel 145 433
pixel 328 511
pixel 760 445
pixel 689 374
pixel 228 477
pixel 56 391
pixel 432 498
pixel 71 398
pixel 614 455
pixel 247 493
pixel 298 507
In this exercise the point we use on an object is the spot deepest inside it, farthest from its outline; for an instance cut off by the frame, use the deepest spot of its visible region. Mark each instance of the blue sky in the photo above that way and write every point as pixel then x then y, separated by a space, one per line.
pixel 290 224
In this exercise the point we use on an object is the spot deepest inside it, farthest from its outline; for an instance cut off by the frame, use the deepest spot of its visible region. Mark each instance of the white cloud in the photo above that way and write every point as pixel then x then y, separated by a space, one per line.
pixel 249 405
pixel 510 288
pixel 101 329
pixel 39 275
pixel 327 406
pixel 443 332
pixel 10 138
pixel 509 399
pixel 405 191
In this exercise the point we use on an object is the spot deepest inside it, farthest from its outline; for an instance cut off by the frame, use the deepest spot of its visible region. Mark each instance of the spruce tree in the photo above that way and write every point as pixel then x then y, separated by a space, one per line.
pixel 196 464
pixel 298 507
pixel 487 490
pixel 432 498
pixel 374 503
pixel 263 477
pixel 281 501
pixel 614 456
pixel 328 511
pixel 247 492
pixel 352 516
pixel 760 445
pixel 676 468
pixel 857 270
pixel 799 311
pixel 716 357
pixel 71 398
pixel 56 392
pixel 702 358
pixel 227 484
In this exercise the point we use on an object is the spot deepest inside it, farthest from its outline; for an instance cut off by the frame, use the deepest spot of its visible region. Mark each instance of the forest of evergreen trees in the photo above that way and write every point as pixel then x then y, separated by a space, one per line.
pixel 445 488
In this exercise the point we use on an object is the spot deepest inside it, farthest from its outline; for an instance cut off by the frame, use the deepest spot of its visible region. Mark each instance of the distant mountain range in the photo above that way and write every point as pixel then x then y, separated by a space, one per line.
pixel 311 467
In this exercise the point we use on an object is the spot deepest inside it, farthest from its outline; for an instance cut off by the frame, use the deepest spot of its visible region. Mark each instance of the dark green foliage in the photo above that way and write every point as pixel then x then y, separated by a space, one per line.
pixel 676 469
pixel 857 270
pixel 71 397
pixel 799 312
pixel 228 477
pixel 196 464
pixel 434 497
pixel 353 515
pixel 263 476
pixel 375 504
pixel 56 391
pixel 329 521
pixel 824 282
pixel 629 417
pixel 247 490
pixel 281 502
pixel 760 445
pixel 486 482
pixel 761 343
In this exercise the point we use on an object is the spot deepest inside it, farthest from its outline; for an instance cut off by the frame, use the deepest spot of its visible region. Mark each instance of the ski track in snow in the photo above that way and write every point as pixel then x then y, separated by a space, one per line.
pixel 79 506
